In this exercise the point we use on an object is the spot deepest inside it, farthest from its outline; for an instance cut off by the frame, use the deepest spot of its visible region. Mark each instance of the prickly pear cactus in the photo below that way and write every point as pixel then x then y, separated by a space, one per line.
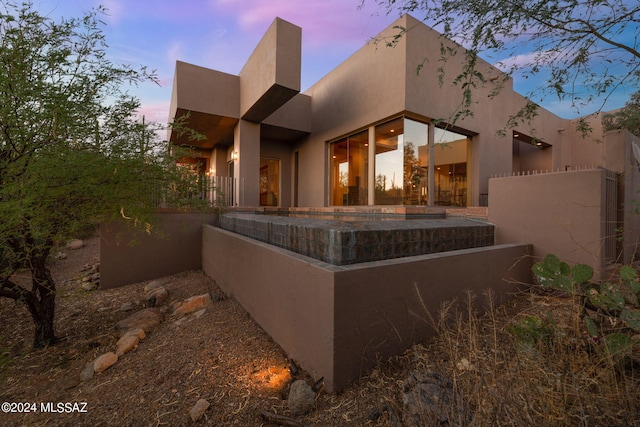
pixel 620 299
pixel 553 273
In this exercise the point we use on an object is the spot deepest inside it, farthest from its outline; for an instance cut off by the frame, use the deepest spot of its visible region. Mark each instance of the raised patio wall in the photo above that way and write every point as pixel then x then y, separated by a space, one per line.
pixel 127 258
pixel 335 321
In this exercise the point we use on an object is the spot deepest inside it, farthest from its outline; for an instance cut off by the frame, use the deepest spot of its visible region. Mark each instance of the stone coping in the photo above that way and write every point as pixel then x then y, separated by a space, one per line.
pixel 343 242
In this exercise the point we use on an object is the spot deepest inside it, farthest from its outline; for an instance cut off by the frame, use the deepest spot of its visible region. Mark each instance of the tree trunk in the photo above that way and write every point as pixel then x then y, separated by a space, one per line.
pixel 43 309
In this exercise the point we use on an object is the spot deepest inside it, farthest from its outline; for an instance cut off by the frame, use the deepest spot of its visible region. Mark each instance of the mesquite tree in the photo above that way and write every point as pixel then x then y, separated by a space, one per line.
pixel 71 151
pixel 583 49
pixel 627 117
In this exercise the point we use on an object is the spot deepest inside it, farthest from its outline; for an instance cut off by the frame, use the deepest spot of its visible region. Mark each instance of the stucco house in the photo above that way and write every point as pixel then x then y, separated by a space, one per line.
pixel 375 136
pixel 375 132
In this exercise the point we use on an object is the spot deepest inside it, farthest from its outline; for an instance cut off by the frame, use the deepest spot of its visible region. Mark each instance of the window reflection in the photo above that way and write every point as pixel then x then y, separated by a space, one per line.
pixel 401 166
pixel 349 170
pixel 450 154
pixel 389 163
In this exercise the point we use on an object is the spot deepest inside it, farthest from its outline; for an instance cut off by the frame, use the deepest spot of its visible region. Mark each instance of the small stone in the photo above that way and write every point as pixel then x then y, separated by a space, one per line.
pixel 87 372
pixel 127 343
pixel 199 313
pixel 154 284
pixel 157 297
pixel 301 398
pixel 198 409
pixel 174 305
pixel 137 332
pixel 60 255
pixel 104 362
pixel 147 319
pixel 127 306
pixel 192 304
pixel 75 244
pixel 89 286
pixel 464 365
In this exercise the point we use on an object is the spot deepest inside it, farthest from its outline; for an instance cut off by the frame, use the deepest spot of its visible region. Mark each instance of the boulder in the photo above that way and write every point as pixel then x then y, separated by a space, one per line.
pixel 147 319
pixel 198 409
pixel 192 304
pixel 104 362
pixel 301 398
pixel 127 343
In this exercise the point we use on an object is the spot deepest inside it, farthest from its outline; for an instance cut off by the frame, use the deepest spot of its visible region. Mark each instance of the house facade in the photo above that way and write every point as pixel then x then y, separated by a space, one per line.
pixel 375 131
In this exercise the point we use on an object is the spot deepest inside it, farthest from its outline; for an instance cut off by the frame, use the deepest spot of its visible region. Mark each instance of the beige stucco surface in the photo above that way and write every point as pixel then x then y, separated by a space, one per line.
pixel 335 321
pixel 127 257
pixel 560 213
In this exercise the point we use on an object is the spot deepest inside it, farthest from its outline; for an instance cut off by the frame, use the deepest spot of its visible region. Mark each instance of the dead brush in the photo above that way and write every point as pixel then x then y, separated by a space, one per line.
pixel 527 363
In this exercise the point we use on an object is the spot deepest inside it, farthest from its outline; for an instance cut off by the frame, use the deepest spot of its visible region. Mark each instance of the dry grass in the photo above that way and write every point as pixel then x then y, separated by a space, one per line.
pixel 503 375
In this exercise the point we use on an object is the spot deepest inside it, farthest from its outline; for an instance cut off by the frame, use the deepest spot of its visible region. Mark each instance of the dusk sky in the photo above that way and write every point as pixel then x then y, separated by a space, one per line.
pixel 221 34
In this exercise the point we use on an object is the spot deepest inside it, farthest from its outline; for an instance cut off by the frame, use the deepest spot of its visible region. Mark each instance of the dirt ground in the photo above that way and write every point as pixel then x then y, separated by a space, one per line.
pixel 222 356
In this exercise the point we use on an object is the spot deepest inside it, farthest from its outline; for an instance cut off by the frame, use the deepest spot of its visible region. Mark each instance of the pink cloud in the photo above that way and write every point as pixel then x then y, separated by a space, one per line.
pixel 157 112
pixel 323 22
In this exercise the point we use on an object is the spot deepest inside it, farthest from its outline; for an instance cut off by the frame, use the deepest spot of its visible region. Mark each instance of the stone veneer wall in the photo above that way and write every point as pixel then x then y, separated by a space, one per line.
pixel 350 242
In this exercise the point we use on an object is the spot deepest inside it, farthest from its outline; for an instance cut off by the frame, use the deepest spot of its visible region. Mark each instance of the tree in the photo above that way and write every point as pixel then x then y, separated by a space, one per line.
pixel 584 49
pixel 625 118
pixel 71 150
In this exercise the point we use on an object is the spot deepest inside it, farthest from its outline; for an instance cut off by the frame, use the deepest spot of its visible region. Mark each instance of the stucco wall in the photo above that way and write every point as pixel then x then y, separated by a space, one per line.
pixel 378 82
pixel 559 213
pixel 126 258
pixel 290 296
pixel 335 321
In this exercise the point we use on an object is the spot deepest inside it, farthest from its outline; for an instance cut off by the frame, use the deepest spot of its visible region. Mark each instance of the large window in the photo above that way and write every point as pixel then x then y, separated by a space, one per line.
pixel 450 178
pixel 350 170
pixel 400 172
pixel 401 163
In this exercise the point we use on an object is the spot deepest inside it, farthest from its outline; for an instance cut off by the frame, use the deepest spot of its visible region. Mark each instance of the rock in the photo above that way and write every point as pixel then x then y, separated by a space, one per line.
pixel 154 284
pixel 430 396
pixel 87 372
pixel 104 362
pixel 127 343
pixel 137 332
pixel 199 313
pixel 157 297
pixel 465 365
pixel 198 409
pixel 215 297
pixel 301 398
pixel 192 304
pixel 147 319
pixel 75 244
pixel 89 286
pixel 127 306
pixel 60 255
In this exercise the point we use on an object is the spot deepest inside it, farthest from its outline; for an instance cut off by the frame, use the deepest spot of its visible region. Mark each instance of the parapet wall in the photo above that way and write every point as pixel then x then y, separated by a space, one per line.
pixel 335 321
